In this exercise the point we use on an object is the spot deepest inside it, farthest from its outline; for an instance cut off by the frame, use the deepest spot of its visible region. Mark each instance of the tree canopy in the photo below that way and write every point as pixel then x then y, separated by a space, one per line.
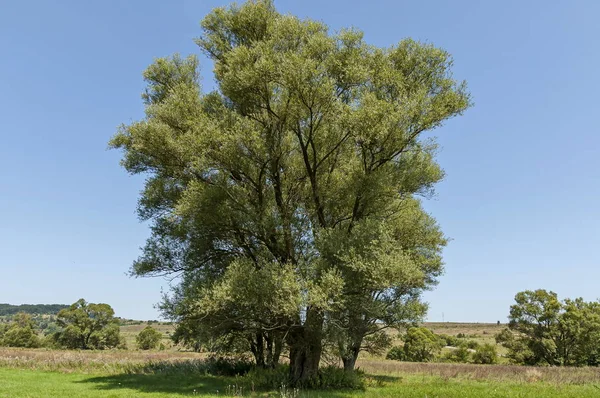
pixel 20 332
pixel 545 330
pixel 88 326
pixel 288 200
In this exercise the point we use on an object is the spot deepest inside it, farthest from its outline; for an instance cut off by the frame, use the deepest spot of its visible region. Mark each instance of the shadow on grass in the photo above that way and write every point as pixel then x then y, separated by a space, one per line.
pixel 385 378
pixel 171 384
pixel 197 384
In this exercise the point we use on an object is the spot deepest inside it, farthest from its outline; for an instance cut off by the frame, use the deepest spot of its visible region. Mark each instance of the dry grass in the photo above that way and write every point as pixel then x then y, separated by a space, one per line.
pixel 113 362
pixel 88 361
pixel 513 373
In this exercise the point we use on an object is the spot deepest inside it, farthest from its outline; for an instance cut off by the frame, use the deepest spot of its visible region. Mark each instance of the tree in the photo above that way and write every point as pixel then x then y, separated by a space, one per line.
pixel 289 199
pixel 20 332
pixel 544 330
pixel 148 338
pixel 421 345
pixel 88 326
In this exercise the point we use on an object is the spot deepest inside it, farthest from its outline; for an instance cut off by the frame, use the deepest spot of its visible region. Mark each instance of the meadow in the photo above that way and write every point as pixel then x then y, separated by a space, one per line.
pixel 53 373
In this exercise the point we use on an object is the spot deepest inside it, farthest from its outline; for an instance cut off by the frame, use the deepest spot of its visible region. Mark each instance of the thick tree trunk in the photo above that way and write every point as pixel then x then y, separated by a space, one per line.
pixel 306 346
pixel 257 348
pixel 349 360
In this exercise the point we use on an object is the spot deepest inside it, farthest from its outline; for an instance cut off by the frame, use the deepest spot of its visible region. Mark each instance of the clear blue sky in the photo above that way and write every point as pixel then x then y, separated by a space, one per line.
pixel 521 196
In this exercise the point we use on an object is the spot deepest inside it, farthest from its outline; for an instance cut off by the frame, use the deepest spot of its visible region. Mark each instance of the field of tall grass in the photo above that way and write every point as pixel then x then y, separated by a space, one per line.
pixel 50 373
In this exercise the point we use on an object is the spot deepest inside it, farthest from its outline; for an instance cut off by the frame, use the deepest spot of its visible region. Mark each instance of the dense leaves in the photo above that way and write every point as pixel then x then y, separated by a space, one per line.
pixel 544 330
pixel 20 332
pixel 148 338
pixel 288 199
pixel 88 326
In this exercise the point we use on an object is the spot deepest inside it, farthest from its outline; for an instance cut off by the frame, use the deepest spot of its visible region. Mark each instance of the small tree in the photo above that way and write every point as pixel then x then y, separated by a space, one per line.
pixel 148 338
pixel 21 333
pixel 486 354
pixel 421 345
pixel 88 326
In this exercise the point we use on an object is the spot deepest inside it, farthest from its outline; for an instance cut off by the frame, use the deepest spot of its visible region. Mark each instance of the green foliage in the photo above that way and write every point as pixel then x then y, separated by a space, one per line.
pixel 470 344
pixel 459 355
pixel 544 330
pixel 449 340
pixel 298 180
pixel 421 345
pixel 396 353
pixel 486 354
pixel 88 326
pixel 20 332
pixel 148 338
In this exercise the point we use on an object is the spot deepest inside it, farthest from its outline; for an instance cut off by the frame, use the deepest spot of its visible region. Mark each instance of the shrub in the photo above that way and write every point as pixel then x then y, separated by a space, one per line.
pixel 459 355
pixel 268 379
pixel 486 354
pixel 396 353
pixel 451 341
pixel 471 344
pixel 148 338
pixel 333 377
pixel 227 366
pixel 20 332
pixel 330 377
pixel 421 345
pixel 21 337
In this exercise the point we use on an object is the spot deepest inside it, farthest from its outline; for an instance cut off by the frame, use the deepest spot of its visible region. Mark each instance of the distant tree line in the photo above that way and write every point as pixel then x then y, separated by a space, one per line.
pixel 420 344
pixel 49 309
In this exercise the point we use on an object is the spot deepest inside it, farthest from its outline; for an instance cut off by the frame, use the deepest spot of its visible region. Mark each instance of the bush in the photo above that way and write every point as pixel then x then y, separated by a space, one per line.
pixel 451 341
pixel 459 355
pixel 471 344
pixel 227 366
pixel 332 377
pixel 486 354
pixel 148 338
pixel 268 379
pixel 329 378
pixel 396 353
pixel 21 337
pixel 421 345
pixel 20 332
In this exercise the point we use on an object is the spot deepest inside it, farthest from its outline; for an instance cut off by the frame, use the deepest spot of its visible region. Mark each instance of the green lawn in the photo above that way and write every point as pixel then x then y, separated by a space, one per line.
pixel 34 383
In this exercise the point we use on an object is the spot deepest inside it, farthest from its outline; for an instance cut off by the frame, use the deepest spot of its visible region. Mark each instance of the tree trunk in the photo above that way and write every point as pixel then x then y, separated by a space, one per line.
pixel 257 348
pixel 277 348
pixel 349 363
pixel 350 358
pixel 274 342
pixel 305 350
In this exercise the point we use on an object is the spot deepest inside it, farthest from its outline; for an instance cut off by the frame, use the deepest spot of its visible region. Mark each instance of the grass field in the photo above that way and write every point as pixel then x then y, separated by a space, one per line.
pixel 30 383
pixel 46 373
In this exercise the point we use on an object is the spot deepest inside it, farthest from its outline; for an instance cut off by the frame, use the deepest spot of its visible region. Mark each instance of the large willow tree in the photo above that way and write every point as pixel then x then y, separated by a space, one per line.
pixel 288 200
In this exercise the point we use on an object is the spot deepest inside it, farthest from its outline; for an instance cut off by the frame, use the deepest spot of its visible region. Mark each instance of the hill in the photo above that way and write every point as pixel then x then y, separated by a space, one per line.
pixel 41 309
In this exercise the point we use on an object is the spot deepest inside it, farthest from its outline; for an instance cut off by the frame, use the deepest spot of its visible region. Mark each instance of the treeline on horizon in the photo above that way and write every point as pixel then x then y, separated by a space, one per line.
pixel 42 309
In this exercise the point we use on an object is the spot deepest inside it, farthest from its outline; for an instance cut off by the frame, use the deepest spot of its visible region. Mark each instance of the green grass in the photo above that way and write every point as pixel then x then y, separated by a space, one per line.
pixel 20 383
